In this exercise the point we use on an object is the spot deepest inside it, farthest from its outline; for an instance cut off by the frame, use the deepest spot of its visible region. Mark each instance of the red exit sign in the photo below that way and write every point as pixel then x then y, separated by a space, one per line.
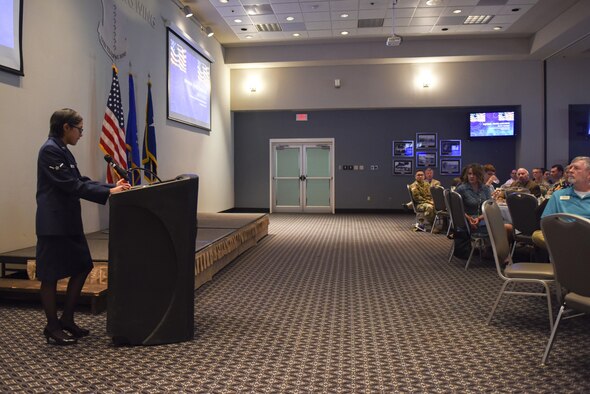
pixel 301 117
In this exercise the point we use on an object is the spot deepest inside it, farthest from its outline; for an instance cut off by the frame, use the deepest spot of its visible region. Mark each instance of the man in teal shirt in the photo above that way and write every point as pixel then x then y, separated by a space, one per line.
pixel 574 199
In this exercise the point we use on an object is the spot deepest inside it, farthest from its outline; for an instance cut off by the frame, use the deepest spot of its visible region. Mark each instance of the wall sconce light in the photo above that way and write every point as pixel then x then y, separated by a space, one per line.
pixel 187 11
pixel 425 83
pixel 337 83
pixel 253 89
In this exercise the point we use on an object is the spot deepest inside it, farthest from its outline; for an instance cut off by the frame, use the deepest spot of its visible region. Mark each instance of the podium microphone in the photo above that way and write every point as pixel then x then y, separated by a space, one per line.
pixel 122 173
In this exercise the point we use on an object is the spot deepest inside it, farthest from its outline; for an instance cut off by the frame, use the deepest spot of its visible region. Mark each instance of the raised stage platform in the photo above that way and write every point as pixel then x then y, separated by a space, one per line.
pixel 221 237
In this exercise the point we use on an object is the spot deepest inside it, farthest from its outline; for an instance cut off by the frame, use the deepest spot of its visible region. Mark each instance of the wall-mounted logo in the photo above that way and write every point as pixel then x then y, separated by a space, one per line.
pixel 111 31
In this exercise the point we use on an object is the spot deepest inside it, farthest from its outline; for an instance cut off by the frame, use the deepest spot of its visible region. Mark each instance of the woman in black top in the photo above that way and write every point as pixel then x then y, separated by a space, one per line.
pixel 62 250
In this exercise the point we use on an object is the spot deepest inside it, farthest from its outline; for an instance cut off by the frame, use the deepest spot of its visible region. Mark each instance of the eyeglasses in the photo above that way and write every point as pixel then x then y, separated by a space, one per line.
pixel 80 129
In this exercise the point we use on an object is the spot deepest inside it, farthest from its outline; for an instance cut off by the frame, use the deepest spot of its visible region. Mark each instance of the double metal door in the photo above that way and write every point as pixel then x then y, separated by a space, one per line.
pixel 302 176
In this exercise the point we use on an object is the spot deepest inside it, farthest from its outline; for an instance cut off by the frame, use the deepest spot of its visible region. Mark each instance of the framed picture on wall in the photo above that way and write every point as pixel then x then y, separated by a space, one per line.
pixel 403 148
pixel 450 148
pixel 403 167
pixel 450 166
pixel 425 159
pixel 425 140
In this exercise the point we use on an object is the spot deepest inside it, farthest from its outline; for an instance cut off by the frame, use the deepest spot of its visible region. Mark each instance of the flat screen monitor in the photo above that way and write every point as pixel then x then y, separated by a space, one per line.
pixel 491 124
pixel 189 83
pixel 11 53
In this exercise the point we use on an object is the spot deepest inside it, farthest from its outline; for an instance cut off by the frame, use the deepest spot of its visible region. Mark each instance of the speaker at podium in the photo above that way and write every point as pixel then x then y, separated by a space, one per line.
pixel 152 233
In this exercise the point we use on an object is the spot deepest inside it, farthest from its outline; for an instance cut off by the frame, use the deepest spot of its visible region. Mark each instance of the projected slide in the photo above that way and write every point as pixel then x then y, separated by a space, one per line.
pixel 491 124
pixel 6 23
pixel 189 84
pixel 10 36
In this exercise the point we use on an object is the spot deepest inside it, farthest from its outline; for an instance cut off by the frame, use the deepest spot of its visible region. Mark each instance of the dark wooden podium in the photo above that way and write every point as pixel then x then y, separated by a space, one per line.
pixel 152 232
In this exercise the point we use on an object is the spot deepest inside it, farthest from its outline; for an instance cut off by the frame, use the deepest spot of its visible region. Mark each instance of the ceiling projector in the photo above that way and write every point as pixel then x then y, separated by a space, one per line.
pixel 393 41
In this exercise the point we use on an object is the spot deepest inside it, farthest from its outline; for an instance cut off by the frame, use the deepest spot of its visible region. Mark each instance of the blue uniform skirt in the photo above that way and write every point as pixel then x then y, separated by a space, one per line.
pixel 61 257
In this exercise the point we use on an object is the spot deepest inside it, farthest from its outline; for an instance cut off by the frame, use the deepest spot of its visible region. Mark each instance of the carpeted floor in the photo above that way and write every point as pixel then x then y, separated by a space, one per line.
pixel 325 303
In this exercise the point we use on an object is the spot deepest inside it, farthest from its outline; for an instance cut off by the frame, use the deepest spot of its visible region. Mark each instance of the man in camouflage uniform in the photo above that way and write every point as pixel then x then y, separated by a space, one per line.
pixel 422 197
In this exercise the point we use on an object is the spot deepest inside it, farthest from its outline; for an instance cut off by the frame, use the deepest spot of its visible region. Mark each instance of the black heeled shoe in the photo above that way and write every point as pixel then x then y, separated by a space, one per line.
pixel 58 337
pixel 74 329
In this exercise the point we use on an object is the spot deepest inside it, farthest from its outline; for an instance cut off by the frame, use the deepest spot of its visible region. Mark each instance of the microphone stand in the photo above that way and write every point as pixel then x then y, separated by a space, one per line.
pixel 149 172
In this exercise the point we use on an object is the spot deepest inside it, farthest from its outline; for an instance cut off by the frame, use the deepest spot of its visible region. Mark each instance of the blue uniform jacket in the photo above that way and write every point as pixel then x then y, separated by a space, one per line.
pixel 59 189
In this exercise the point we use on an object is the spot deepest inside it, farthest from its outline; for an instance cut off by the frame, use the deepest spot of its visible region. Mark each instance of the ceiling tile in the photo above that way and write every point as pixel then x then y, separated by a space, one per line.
pixel 320 33
pixel 231 11
pixel 351 15
pixel 286 8
pixel 466 10
pixel 407 3
pixel 293 26
pixel 318 25
pixel 430 11
pixel 244 29
pixel 254 2
pixel 374 4
pixel 507 10
pixel 451 20
pixel 316 17
pixel 282 18
pixel 343 24
pixel 336 32
pixel 263 19
pixel 423 21
pixel 344 5
pixel 323 6
pixel 370 14
pixel 244 21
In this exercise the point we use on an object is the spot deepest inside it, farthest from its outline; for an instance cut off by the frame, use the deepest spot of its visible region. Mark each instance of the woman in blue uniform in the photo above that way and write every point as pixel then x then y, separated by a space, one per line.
pixel 62 250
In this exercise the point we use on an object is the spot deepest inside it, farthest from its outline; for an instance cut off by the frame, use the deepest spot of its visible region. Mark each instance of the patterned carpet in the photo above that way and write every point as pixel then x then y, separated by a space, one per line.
pixel 325 303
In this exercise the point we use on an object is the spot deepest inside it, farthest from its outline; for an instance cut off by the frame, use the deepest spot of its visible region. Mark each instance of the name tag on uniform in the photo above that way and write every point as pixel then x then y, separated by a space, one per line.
pixel 564 197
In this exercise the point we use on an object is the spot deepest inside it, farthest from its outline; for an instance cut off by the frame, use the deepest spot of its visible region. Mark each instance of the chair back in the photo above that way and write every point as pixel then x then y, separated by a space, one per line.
pixel 497 232
pixel 457 211
pixel 438 196
pixel 567 238
pixel 522 208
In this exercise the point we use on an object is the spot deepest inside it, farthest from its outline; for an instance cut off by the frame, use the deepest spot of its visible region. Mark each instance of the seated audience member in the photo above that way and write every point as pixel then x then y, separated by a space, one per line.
pixel 556 173
pixel 421 193
pixel 429 177
pixel 509 182
pixel 522 174
pixel 474 192
pixel 539 180
pixel 574 199
pixel 456 182
pixel 489 176
pixel 561 183
pixel 547 177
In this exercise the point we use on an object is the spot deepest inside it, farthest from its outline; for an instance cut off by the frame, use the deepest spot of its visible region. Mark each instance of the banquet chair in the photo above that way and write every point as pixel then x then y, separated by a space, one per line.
pixel 440 206
pixel 567 240
pixel 522 208
pixel 514 273
pixel 419 225
pixel 460 225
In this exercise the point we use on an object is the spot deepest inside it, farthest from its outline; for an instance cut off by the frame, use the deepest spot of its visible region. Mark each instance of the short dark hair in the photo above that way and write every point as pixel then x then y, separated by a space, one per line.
pixel 489 167
pixel 60 118
pixel 558 166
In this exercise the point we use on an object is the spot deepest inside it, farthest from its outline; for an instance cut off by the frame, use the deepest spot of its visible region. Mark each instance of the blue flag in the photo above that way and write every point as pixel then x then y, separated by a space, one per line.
pixel 131 144
pixel 149 159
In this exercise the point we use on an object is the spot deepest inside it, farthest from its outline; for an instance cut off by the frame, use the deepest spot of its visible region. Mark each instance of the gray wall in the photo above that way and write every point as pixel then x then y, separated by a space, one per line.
pixel 362 137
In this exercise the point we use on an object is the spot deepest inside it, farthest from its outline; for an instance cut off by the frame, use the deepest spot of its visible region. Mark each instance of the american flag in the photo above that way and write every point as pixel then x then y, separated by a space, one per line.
pixel 112 137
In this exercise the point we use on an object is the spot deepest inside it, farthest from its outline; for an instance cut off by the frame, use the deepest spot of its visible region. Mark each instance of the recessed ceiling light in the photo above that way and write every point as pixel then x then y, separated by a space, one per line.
pixel 497 27
pixel 344 33
pixel 457 11
pixel 290 18
pixel 477 19
pixel 248 36
pixel 433 2
pixel 296 34
pixel 238 20
pixel 344 15
pixel 224 1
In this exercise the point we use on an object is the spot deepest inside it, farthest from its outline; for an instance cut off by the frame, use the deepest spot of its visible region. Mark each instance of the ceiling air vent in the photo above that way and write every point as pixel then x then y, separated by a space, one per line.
pixel 377 22
pixel 268 27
